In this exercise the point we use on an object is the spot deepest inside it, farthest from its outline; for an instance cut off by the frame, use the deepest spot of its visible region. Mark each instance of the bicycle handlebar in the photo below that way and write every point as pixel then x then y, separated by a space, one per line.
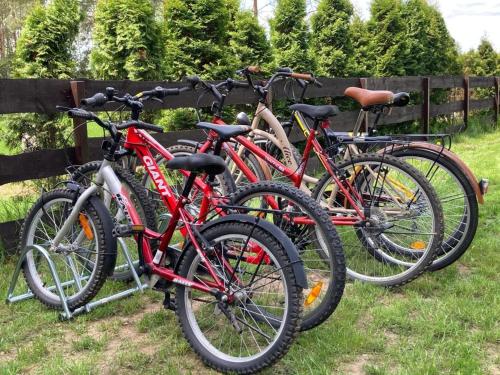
pixel 140 125
pixel 280 72
pixel 97 100
pixel 100 99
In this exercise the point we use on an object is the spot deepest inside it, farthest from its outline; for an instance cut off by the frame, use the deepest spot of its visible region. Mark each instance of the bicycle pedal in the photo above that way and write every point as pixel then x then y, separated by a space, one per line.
pixel 168 302
pixel 127 230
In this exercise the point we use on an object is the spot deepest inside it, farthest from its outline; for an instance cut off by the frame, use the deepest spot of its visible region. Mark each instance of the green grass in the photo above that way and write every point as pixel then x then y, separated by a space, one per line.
pixel 442 323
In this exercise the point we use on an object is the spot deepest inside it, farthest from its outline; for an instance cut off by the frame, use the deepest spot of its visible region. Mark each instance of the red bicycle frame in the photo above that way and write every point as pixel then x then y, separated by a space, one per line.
pixel 295 176
pixel 140 142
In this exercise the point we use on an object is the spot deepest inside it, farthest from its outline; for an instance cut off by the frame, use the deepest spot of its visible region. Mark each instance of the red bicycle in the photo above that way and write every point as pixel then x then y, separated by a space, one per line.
pixel 238 316
pixel 381 219
pixel 296 214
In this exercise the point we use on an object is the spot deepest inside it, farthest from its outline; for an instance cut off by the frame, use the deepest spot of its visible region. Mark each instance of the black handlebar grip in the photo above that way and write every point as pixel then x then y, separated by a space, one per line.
pixel 151 127
pixel 240 84
pixel 81 114
pixel 400 99
pixel 160 92
pixel 97 100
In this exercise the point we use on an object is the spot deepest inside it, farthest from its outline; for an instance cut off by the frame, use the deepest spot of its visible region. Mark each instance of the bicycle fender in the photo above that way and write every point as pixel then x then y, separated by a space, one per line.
pixel 278 234
pixel 447 154
pixel 188 142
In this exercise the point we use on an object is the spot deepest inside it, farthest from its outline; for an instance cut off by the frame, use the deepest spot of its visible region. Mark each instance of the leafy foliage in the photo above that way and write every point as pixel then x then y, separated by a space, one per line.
pixel 410 38
pixel 12 15
pixel 127 41
pixel 331 37
pixel 196 39
pixel 248 41
pixel 196 43
pixel 44 51
pixel 44 48
pixel 290 36
pixel 363 60
pixel 481 62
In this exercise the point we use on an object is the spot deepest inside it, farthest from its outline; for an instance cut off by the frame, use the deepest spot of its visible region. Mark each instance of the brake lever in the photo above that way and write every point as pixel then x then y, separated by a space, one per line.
pixel 157 99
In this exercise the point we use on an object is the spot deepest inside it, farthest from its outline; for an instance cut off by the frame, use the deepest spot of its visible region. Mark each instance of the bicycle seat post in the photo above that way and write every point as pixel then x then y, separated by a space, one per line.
pixel 188 185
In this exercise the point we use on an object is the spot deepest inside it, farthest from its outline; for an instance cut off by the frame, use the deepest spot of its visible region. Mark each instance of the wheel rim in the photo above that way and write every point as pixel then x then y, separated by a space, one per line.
pixel 309 240
pixel 378 258
pixel 456 207
pixel 83 258
pixel 249 340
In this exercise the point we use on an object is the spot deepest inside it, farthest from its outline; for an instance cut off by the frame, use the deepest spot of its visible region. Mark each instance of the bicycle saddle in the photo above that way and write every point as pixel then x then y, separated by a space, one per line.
pixel 225 131
pixel 368 98
pixel 199 163
pixel 319 112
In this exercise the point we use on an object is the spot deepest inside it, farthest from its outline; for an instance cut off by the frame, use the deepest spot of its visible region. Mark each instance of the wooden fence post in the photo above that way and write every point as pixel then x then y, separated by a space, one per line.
pixel 363 82
pixel 426 105
pixel 497 99
pixel 79 125
pixel 466 101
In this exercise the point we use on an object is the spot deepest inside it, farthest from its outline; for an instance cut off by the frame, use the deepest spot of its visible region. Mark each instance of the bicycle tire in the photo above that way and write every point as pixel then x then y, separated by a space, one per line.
pixel 99 219
pixel 290 324
pixel 317 313
pixel 455 244
pixel 425 257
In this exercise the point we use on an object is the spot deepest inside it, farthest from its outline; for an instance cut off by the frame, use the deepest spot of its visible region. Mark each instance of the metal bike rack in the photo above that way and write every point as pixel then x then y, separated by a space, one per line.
pixel 77 279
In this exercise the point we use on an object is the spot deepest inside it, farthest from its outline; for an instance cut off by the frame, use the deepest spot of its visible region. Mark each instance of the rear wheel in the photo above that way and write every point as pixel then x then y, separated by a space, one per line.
pixel 258 325
pixel 404 226
pixel 457 197
pixel 316 240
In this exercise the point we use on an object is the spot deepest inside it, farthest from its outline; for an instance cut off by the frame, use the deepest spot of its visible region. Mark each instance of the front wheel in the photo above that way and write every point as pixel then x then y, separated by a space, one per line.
pixel 258 324
pixel 87 253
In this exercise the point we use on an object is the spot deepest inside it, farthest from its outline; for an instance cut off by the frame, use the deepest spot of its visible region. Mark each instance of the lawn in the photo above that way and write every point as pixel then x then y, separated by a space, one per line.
pixel 442 323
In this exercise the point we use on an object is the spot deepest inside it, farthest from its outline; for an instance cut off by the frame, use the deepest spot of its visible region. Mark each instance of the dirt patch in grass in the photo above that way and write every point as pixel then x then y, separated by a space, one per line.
pixel 356 367
pixel 463 270
pixel 493 358
pixel 6 356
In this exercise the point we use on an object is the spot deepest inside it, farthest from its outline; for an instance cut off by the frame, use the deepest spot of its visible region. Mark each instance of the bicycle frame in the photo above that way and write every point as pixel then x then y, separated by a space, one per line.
pixel 106 175
pixel 296 176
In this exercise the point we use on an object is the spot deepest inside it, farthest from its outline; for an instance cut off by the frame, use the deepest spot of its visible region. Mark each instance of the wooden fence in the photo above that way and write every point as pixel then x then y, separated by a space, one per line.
pixel 42 96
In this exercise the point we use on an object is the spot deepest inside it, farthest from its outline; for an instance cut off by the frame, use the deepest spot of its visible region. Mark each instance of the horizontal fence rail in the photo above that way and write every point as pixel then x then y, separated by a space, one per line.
pixel 42 96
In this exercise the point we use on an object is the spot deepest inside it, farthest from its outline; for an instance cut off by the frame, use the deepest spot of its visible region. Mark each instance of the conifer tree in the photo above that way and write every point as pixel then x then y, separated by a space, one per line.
pixel 362 61
pixel 389 46
pixel 127 41
pixel 331 37
pixel 196 39
pixel 290 36
pixel 44 50
pixel 410 38
pixel 487 59
pixel 432 51
pixel 44 47
pixel 196 43
pixel 248 41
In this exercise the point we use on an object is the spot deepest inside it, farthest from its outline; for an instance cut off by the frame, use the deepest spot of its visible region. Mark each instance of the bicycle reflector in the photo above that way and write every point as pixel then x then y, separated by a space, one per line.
pixel 87 230
pixel 314 293
pixel 418 245
pixel 483 185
